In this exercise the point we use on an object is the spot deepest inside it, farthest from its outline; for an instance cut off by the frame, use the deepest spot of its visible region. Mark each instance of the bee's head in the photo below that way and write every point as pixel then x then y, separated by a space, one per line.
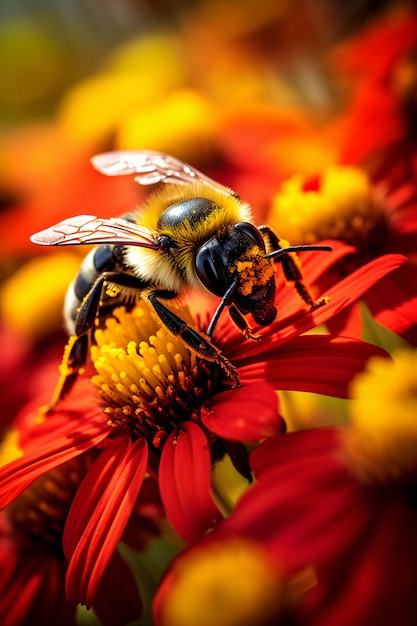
pixel 238 258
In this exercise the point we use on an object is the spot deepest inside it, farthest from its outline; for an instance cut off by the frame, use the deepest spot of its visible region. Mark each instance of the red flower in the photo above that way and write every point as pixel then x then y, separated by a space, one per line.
pixel 31 583
pixel 183 419
pixel 34 568
pixel 378 125
pixel 343 203
pixel 309 513
pixel 311 510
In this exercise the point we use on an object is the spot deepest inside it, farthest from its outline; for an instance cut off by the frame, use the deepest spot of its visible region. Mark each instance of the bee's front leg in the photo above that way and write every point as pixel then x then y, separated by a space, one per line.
pixel 241 323
pixel 194 340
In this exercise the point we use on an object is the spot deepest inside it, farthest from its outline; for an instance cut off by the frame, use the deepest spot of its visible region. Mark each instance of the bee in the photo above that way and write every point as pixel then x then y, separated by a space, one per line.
pixel 191 233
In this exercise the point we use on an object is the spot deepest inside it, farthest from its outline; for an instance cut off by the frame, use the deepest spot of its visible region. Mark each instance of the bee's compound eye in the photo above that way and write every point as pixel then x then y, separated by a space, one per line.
pixel 252 232
pixel 206 267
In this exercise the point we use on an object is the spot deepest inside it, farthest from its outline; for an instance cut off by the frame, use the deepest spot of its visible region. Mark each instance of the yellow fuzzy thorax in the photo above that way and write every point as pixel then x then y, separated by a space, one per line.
pixel 170 271
pixel 231 210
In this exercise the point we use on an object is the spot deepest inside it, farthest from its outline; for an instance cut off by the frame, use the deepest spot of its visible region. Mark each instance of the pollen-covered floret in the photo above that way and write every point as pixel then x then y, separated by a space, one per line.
pixel 149 381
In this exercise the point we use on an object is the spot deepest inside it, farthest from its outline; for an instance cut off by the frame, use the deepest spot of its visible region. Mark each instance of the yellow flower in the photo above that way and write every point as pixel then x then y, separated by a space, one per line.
pixel 138 75
pixel 231 584
pixel 183 123
pixel 147 384
pixel 32 298
pixel 381 442
pixel 339 204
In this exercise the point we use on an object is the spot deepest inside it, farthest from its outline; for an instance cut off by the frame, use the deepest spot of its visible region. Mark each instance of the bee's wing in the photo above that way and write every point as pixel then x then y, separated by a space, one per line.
pixel 88 229
pixel 151 167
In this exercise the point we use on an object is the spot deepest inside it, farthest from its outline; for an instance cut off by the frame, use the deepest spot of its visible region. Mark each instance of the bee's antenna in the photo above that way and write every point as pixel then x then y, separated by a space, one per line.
pixel 305 248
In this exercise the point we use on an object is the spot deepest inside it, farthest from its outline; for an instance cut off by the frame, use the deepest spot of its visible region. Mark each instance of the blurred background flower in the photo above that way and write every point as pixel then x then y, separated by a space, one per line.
pixel 305 108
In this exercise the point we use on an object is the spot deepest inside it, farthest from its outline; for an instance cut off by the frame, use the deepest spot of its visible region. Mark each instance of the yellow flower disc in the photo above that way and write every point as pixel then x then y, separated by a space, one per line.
pixel 381 442
pixel 338 204
pixel 229 583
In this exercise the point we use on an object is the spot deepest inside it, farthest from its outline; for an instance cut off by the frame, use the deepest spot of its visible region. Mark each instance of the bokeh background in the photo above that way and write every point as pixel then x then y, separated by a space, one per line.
pixel 249 92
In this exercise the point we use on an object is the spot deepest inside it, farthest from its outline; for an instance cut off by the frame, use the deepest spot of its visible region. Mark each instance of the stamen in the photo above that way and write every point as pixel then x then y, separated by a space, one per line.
pixel 148 379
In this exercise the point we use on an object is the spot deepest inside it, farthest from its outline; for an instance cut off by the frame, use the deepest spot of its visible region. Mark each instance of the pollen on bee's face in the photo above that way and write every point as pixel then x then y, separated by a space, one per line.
pixel 149 381
pixel 253 271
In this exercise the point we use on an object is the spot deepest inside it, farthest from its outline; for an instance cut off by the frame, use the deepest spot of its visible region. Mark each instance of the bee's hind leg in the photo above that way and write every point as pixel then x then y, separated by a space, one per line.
pixel 195 341
pixel 76 350
pixel 73 361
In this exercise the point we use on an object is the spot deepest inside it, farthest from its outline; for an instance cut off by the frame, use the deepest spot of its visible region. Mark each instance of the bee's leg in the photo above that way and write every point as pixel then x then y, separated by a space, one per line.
pixel 224 302
pixel 195 341
pixel 291 266
pixel 87 313
pixel 74 359
pixel 76 350
pixel 241 323
pixel 89 309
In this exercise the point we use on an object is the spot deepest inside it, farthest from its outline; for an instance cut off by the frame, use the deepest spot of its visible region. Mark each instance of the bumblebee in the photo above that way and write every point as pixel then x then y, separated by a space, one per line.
pixel 191 233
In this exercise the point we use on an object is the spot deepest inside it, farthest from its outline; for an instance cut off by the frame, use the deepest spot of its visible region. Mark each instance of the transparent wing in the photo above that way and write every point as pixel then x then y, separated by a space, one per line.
pixel 88 229
pixel 151 167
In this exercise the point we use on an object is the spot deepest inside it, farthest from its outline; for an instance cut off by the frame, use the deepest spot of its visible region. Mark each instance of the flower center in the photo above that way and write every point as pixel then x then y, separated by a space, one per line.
pixel 235 582
pixel 40 512
pixel 148 379
pixel 340 204
pixel 381 442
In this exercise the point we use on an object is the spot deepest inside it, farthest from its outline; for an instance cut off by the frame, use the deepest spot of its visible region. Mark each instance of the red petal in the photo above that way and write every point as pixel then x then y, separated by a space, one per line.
pixel 354 286
pixel 315 264
pixel 393 302
pixel 294 473
pixel 277 452
pixel 99 514
pixel 316 363
pixel 341 295
pixel 117 601
pixel 185 482
pixel 247 413
pixel 53 448
pixel 348 322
